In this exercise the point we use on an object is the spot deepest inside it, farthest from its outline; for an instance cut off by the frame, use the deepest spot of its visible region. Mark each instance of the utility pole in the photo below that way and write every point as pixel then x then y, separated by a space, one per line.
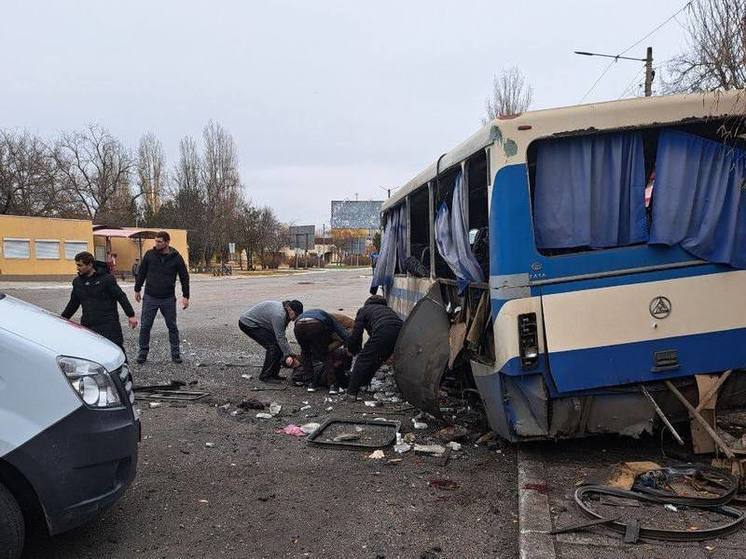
pixel 648 60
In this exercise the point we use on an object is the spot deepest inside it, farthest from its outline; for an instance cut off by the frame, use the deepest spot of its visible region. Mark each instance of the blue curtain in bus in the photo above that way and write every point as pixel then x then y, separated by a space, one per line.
pixel 452 237
pixel 698 199
pixel 393 242
pixel 401 238
pixel 590 192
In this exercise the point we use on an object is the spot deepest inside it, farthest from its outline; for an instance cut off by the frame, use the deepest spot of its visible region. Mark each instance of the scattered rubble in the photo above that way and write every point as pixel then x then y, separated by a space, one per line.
pixel 309 428
pixel 251 404
pixel 263 415
pixel 275 408
pixel 377 455
pixel 429 449
pixel 419 425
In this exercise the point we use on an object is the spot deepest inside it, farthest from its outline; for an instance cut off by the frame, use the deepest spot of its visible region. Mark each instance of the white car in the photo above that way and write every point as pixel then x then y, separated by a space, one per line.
pixel 68 426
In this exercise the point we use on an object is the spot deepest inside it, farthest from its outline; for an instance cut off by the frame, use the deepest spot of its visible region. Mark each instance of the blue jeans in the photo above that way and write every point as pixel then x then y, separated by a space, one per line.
pixel 150 307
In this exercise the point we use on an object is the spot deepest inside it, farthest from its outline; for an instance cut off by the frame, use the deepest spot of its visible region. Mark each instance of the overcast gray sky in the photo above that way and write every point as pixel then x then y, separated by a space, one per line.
pixel 325 98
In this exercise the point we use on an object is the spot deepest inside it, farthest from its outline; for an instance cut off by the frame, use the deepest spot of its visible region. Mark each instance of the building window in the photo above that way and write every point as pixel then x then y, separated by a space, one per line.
pixel 16 248
pixel 47 249
pixel 74 247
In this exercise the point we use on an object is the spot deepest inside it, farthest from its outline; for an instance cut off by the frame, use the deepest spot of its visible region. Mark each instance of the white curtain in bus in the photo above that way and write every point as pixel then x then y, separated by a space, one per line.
pixel 699 200
pixel 452 237
pixel 590 192
pixel 391 244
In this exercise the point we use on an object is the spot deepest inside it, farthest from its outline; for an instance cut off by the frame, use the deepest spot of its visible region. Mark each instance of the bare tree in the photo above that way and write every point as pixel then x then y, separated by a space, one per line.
pixel 510 95
pixel 222 187
pixel 151 174
pixel 716 48
pixel 96 168
pixel 28 178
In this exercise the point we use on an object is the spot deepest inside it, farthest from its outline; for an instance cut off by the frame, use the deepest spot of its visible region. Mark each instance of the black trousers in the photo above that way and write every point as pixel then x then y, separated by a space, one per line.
pixel 379 347
pixel 314 339
pixel 266 339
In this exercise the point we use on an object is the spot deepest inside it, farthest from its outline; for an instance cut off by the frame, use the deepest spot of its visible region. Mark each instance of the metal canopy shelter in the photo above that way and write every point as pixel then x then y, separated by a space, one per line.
pixel 129 233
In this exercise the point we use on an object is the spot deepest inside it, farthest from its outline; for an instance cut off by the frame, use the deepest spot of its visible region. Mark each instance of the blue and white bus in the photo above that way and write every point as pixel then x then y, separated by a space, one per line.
pixel 560 259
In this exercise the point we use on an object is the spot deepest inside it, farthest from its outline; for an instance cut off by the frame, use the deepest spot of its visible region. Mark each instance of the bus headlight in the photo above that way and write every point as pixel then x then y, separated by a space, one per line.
pixel 90 381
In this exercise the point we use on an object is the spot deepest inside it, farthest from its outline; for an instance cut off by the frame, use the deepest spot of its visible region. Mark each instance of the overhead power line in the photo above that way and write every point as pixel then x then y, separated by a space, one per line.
pixel 633 45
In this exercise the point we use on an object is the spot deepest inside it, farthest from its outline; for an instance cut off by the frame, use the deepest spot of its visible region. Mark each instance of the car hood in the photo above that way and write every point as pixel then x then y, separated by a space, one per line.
pixel 57 334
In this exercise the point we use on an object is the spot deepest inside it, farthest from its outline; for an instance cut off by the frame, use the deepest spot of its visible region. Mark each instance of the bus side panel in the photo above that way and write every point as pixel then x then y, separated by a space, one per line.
pixel 645 331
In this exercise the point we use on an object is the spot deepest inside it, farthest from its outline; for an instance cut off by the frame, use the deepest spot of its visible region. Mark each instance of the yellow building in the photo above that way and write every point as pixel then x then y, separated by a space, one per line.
pixel 44 248
pixel 41 247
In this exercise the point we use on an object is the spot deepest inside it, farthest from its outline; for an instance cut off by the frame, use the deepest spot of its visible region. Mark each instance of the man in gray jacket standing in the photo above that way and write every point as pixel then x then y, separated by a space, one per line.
pixel 265 323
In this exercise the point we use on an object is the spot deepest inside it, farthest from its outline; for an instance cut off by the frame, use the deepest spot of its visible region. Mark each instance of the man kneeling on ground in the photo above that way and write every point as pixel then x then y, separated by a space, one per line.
pixel 265 323
pixel 320 333
pixel 383 326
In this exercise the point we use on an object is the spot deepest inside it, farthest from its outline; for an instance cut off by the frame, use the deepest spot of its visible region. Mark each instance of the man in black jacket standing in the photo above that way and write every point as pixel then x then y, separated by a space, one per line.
pixel 383 326
pixel 98 293
pixel 158 271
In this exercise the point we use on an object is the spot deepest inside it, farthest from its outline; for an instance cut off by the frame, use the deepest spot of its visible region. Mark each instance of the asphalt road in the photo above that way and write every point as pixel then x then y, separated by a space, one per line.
pixel 257 493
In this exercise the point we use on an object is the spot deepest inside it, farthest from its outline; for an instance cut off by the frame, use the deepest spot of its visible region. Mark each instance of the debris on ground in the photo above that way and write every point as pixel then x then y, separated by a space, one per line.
pixel 152 405
pixel 356 433
pixel 430 449
pixel 443 484
pixel 452 433
pixel 309 428
pixel 251 404
pixel 293 430
pixel 419 425
pixel 264 415
pixel 696 494
pixel 376 455
pixel 247 377
pixel 275 408
pixel 209 445
pixel 622 476
pixel 401 448
pixel 453 445
pixel 488 437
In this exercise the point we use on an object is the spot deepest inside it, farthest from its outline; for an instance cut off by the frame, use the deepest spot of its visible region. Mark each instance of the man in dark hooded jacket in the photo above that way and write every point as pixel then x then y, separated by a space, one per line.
pixel 383 326
pixel 96 290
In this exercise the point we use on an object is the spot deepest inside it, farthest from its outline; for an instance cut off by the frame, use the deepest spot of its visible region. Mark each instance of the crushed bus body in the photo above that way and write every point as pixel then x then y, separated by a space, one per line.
pixel 559 260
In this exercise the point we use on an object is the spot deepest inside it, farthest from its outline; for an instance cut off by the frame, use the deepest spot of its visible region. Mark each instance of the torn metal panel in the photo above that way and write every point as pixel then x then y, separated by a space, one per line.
pixel 489 383
pixel 422 352
pixel 529 400
pixel 626 414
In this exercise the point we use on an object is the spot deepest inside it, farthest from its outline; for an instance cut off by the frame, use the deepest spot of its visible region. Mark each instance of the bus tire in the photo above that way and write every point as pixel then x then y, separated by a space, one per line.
pixel 12 529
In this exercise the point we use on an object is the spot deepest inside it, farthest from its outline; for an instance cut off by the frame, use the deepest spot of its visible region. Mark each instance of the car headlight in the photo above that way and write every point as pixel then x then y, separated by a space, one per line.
pixel 90 381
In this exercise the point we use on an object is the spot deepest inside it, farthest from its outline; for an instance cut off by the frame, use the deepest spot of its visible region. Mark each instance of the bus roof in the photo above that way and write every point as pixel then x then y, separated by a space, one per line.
pixel 515 133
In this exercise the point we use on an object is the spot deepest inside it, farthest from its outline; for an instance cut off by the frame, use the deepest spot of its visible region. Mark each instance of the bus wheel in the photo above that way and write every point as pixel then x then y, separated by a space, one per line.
pixel 11 526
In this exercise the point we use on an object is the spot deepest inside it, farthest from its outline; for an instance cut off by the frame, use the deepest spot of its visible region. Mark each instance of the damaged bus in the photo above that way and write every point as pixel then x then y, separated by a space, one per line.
pixel 578 268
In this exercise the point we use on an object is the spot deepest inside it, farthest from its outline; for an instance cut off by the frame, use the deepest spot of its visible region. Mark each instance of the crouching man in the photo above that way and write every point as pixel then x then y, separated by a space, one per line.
pixel 265 323
pixel 383 326
pixel 320 333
